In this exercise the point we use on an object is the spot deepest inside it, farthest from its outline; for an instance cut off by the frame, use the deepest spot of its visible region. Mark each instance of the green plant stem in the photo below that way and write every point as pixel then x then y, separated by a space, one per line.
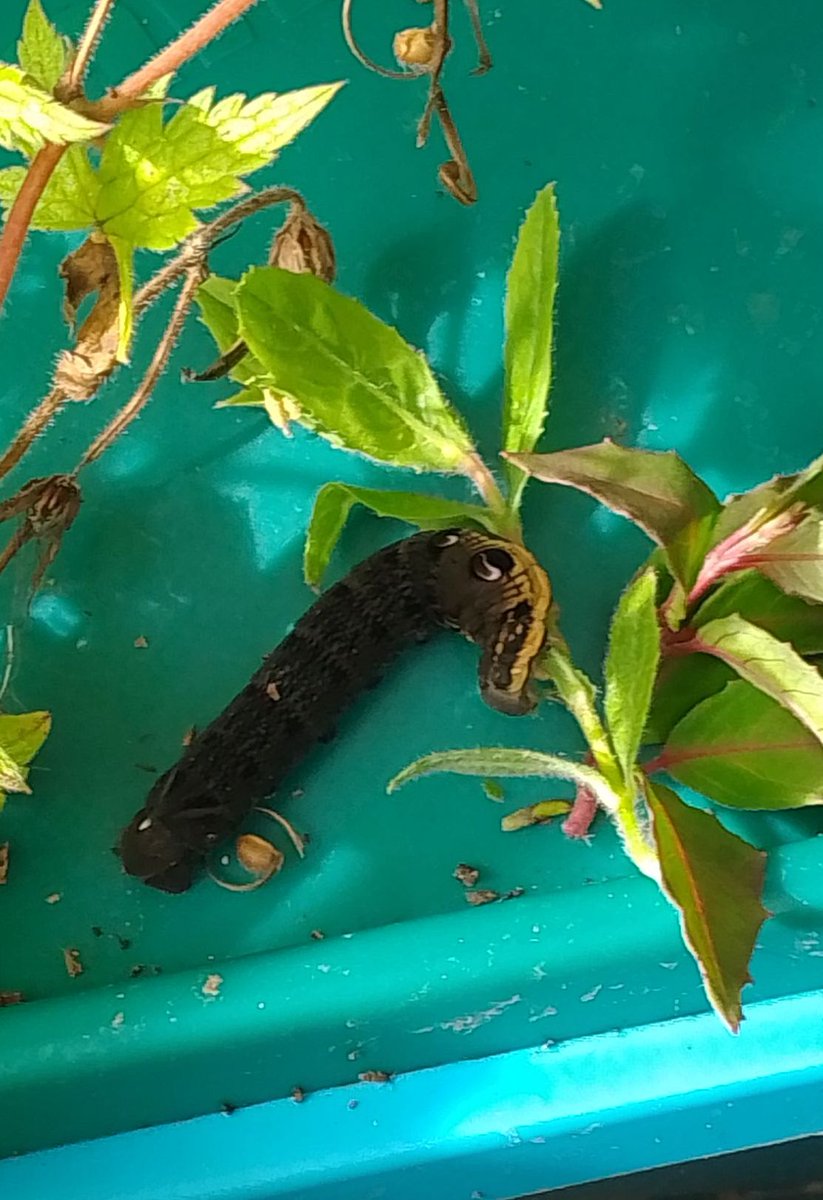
pixel 578 695
pixel 508 522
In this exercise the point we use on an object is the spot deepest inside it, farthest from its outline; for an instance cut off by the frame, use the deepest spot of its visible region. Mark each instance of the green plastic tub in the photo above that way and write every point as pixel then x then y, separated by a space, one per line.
pixel 685 142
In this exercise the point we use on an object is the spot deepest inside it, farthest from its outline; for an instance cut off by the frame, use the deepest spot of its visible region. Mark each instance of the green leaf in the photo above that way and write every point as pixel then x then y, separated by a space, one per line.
pixel 217 311
pixel 530 293
pixel 42 52
pixel 353 378
pixel 154 176
pixel 657 491
pixel 742 749
pixel 21 736
pixel 502 761
pixel 772 666
pixel 69 199
pixel 335 501
pixel 631 668
pixel 681 684
pixel 714 880
pixel 770 499
pixel 30 117
pixel 751 595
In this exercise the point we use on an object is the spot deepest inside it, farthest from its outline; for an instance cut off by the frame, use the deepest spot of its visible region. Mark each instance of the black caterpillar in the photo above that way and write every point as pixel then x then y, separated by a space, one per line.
pixel 492 590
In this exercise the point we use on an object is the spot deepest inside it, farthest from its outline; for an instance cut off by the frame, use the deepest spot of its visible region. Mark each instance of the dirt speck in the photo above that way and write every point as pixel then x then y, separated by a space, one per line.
pixel 117 1020
pixel 71 957
pixel 141 643
pixel 212 985
pixel 97 931
pixel 189 735
pixel 482 896
pixel 4 862
pixel 8 999
pixel 124 942
pixel 54 898
pixel 298 1095
pixel 317 935
pixel 466 875
pixel 374 1076
pixel 272 691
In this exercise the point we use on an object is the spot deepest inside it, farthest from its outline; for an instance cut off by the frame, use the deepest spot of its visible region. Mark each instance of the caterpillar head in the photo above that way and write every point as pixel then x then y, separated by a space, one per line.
pixel 166 840
pixel 496 593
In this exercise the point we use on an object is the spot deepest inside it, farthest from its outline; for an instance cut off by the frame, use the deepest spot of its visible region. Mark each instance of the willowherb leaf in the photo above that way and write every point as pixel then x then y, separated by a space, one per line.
pixel 682 682
pixel 154 176
pixel 742 749
pixel 335 501
pixel 631 668
pixel 42 52
pixel 794 561
pixel 30 117
pixel 772 666
pixel 751 595
pixel 503 761
pixel 354 379
pixel 715 880
pixel 530 293
pixel 657 491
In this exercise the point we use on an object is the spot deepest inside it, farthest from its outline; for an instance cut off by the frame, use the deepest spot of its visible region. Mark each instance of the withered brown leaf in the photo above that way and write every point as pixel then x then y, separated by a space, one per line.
pixel 88 270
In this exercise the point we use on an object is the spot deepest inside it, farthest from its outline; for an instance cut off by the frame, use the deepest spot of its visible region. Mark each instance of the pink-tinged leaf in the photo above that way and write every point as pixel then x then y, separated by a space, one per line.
pixel 772 666
pixel 747 547
pixel 742 749
pixel 770 499
pixel 795 561
pixel 715 880
pixel 657 491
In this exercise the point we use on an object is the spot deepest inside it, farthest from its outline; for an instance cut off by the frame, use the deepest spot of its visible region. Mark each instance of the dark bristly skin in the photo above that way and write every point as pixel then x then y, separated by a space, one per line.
pixel 491 590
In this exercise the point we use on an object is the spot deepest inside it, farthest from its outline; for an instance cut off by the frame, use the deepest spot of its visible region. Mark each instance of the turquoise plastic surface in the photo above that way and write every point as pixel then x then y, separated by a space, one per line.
pixel 681 138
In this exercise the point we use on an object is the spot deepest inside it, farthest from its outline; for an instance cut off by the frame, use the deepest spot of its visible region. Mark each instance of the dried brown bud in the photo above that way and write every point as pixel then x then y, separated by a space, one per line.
pixel 54 506
pixel 415 48
pixel 258 856
pixel 304 247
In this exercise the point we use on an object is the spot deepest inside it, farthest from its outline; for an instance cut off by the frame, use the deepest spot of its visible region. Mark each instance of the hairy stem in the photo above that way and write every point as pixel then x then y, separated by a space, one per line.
pixel 195 39
pixel 476 470
pixel 34 424
pixel 22 210
pixel 73 84
pixel 194 277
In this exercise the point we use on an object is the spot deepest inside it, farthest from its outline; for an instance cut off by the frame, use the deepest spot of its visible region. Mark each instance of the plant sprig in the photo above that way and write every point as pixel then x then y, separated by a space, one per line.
pixel 729 590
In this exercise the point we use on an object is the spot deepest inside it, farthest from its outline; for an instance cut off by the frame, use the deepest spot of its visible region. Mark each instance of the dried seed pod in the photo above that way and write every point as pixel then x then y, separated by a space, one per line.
pixel 416 48
pixel 259 856
pixel 53 510
pixel 304 246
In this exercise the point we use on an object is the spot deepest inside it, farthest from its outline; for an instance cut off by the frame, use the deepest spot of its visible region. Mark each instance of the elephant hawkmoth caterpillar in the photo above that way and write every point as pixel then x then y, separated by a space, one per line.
pixel 490 589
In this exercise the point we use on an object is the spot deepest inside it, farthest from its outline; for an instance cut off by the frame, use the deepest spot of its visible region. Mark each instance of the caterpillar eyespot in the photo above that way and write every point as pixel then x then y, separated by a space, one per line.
pixel 491 590
pixel 449 537
pixel 491 565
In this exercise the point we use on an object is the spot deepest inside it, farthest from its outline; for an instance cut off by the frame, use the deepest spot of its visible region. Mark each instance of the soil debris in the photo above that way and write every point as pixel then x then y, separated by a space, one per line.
pixel 71 957
pixel 466 875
